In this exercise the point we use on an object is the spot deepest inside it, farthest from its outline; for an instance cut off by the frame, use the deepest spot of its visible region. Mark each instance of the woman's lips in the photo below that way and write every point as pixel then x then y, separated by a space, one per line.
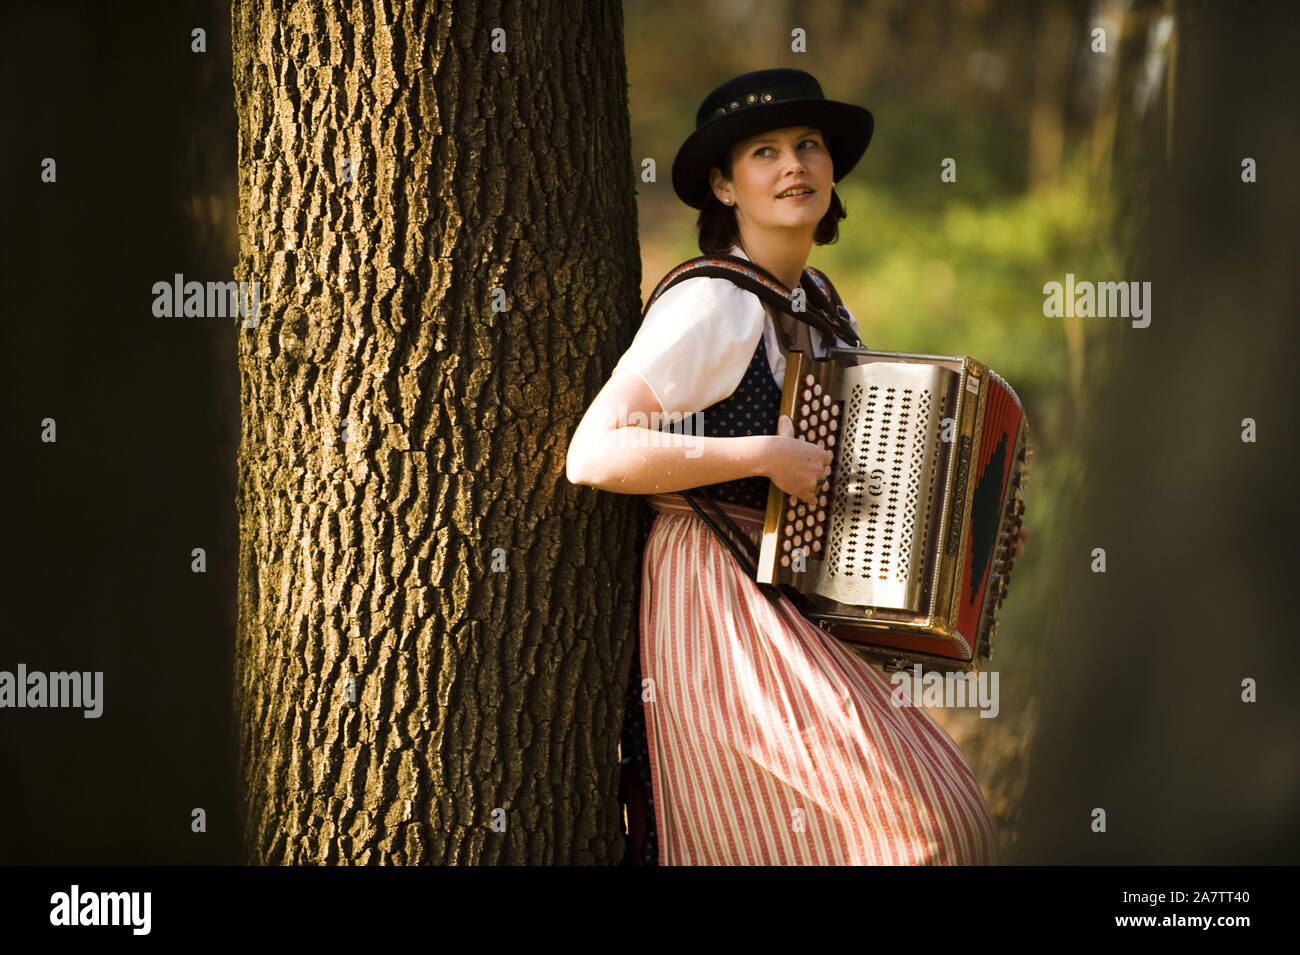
pixel 802 195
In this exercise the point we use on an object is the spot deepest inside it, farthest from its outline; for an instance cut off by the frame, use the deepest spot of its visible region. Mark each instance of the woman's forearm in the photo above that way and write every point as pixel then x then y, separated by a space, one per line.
pixel 660 462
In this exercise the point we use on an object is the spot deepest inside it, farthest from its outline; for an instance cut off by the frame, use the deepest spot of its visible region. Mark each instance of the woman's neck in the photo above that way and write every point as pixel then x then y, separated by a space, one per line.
pixel 781 257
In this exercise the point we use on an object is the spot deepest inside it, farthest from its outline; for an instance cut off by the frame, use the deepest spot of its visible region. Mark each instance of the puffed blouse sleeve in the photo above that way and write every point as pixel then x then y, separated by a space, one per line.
pixel 696 342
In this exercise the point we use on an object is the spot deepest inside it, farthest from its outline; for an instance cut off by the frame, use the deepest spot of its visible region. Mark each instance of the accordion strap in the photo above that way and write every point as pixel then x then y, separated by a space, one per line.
pixel 731 537
pixel 825 311
pixel 824 286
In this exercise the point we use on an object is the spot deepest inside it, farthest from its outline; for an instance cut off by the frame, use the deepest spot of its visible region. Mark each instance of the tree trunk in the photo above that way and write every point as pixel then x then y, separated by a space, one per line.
pixel 434 626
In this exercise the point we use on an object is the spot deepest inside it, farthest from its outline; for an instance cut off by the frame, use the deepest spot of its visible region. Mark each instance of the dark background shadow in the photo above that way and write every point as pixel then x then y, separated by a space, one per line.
pixel 100 525
pixel 1143 714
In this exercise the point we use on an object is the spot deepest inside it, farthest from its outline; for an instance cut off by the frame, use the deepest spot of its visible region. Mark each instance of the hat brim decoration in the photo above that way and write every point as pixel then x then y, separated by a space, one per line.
pixel 758 102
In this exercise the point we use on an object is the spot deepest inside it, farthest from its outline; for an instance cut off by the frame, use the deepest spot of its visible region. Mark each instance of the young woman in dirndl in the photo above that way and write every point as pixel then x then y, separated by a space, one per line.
pixel 763 739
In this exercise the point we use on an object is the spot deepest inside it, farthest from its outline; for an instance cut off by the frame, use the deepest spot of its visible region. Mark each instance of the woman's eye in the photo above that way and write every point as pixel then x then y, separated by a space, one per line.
pixel 762 149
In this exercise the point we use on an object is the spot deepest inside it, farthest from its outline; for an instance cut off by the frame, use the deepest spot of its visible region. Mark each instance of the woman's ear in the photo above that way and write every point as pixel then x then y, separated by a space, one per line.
pixel 717 182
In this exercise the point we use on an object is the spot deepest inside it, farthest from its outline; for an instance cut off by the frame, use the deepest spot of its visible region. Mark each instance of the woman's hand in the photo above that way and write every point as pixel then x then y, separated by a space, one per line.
pixel 796 466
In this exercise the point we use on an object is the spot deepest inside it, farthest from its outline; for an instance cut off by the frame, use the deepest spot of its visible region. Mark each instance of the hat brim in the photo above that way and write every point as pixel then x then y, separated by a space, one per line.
pixel 847 128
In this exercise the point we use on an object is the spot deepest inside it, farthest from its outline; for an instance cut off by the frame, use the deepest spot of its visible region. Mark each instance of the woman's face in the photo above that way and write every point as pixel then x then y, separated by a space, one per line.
pixel 771 163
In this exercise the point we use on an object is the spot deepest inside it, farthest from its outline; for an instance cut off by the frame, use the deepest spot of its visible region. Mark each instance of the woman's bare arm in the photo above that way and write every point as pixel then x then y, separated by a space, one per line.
pixel 607 452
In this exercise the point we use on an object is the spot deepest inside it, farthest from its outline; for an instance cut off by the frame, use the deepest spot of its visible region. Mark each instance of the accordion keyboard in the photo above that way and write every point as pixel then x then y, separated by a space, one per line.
pixel 816 420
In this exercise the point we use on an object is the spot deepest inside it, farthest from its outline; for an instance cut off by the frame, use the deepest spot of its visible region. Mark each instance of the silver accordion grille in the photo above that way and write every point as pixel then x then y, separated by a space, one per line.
pixel 883 506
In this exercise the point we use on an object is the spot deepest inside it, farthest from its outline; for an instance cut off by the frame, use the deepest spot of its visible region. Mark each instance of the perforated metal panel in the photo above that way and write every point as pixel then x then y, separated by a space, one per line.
pixel 883 484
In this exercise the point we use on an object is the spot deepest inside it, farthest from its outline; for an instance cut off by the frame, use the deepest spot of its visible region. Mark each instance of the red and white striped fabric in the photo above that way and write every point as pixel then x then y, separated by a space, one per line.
pixel 770 742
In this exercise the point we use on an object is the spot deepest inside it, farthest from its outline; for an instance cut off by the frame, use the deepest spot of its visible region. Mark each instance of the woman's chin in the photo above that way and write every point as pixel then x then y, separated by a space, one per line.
pixel 801 213
pixel 806 217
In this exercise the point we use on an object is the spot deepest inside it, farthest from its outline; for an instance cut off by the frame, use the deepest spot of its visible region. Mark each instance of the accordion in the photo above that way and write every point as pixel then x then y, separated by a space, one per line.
pixel 907 555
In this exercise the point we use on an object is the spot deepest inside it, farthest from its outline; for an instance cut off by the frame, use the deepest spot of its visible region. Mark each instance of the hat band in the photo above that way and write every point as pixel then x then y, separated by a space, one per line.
pixel 773 94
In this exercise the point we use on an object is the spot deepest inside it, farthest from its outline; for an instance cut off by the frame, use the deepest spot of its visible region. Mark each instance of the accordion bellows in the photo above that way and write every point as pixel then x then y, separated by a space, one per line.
pixel 907 555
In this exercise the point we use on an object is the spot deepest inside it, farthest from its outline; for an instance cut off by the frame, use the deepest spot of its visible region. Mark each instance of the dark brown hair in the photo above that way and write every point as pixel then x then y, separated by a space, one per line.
pixel 717 222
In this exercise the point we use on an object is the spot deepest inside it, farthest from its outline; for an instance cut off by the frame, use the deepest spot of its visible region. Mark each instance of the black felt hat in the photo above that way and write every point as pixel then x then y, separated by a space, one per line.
pixel 759 101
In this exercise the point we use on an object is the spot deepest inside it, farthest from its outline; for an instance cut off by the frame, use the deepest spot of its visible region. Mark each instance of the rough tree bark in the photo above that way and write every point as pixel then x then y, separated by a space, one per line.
pixel 400 437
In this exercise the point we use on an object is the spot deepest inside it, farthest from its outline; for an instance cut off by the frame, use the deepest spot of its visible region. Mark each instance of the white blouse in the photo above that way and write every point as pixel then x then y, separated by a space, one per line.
pixel 698 339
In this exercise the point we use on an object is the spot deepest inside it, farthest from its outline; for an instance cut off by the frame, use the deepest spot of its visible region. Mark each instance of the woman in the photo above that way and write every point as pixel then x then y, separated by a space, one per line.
pixel 768 741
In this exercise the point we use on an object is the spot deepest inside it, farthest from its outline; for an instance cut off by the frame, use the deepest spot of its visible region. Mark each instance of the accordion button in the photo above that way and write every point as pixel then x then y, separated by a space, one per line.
pixel 808 380
pixel 807 395
pixel 789 515
pixel 822 500
pixel 785 561
pixel 821 516
pixel 821 429
pixel 825 415
pixel 817 546
pixel 835 425
pixel 785 545
pixel 830 439
pixel 798 524
pixel 817 389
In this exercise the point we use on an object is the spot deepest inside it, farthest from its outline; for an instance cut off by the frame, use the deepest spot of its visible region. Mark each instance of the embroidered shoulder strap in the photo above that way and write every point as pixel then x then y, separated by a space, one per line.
pixel 828 290
pixel 824 311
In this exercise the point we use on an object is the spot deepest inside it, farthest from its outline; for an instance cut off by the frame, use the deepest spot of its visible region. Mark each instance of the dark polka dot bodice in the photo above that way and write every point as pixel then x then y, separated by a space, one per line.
pixel 753 408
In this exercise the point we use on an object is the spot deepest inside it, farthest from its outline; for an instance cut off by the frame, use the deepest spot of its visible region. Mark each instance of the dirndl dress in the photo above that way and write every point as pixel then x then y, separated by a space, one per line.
pixel 759 737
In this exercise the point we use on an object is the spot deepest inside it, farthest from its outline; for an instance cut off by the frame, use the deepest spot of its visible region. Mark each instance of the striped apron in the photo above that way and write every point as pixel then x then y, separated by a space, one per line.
pixel 769 741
